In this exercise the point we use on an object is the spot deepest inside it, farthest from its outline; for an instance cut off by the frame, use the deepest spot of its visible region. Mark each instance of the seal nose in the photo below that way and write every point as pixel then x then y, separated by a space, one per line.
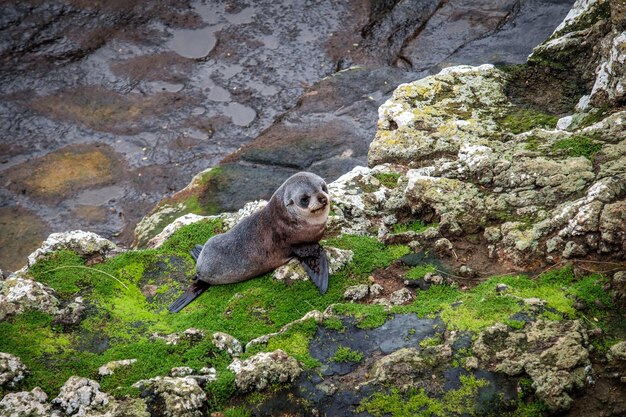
pixel 322 199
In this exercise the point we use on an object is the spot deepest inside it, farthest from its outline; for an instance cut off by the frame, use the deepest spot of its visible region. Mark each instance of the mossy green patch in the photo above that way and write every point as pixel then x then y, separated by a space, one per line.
pixel 127 298
pixel 524 119
pixel 414 226
pixel 420 271
pixel 578 145
pixel 483 306
pixel 368 316
pixel 369 253
pixel 334 323
pixel 237 412
pixel 417 403
pixel 295 342
pixel 345 354
pixel 388 179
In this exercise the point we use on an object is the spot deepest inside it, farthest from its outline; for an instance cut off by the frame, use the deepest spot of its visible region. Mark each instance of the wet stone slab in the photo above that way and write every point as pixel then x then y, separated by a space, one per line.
pixel 338 388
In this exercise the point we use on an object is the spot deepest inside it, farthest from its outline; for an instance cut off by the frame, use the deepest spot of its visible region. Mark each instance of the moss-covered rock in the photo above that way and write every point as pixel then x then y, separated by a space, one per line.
pixel 263 369
pixel 553 354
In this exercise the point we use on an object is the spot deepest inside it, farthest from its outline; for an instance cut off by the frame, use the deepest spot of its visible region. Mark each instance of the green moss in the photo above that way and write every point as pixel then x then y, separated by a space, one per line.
pixel 389 180
pixel 184 239
pixel 532 143
pixel 417 403
pixel 414 226
pixel 334 323
pixel 418 272
pixel 295 342
pixel 369 253
pixel 120 319
pixel 237 412
pixel 345 354
pixel 524 119
pixel 578 145
pixel 431 341
pixel 367 316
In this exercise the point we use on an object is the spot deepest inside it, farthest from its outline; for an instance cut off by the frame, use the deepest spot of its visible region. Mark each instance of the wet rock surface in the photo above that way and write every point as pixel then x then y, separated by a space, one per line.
pixel 133 99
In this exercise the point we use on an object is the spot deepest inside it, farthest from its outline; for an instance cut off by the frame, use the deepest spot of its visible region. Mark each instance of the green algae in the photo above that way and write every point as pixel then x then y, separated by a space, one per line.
pixel 417 403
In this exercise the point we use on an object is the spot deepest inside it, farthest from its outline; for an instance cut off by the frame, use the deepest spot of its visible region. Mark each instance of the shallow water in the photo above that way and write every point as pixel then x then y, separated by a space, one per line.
pixel 107 107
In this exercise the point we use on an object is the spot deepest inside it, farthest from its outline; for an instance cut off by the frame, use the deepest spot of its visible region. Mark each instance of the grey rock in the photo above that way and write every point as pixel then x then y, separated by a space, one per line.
pixel 444 247
pixel 618 286
pixel 401 296
pixel 110 367
pixel 25 404
pixel 72 313
pixel 376 290
pixel 181 371
pixel 259 371
pixel 404 368
pixel 573 250
pixel 356 292
pixel 12 370
pixel 192 335
pixel 83 243
pixel 18 295
pixel 174 397
pixel 553 354
pixel 81 396
pixel 224 341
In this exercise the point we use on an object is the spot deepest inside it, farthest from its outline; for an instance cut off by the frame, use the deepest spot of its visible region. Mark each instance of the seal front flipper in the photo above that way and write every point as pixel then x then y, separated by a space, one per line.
pixel 196 288
pixel 195 252
pixel 313 259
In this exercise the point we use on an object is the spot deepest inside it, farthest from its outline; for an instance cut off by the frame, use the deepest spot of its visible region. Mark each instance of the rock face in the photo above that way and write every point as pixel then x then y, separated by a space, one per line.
pixel 553 354
pixel 263 369
pixel 534 194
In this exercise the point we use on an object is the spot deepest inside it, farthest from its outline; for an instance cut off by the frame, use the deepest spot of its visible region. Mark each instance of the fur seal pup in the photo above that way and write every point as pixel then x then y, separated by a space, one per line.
pixel 290 225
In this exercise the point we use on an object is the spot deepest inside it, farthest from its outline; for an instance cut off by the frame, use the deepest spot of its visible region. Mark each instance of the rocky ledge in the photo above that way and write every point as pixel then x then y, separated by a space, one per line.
pixel 477 269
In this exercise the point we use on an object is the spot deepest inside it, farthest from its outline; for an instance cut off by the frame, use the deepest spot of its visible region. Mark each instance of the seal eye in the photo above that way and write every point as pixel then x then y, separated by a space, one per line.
pixel 304 201
pixel 324 188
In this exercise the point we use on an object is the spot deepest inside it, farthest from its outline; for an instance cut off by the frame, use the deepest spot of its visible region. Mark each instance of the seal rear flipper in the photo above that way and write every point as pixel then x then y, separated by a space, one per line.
pixel 316 266
pixel 196 288
pixel 195 252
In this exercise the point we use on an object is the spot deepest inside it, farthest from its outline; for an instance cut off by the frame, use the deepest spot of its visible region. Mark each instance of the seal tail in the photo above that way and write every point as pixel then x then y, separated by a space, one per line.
pixel 195 252
pixel 196 288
